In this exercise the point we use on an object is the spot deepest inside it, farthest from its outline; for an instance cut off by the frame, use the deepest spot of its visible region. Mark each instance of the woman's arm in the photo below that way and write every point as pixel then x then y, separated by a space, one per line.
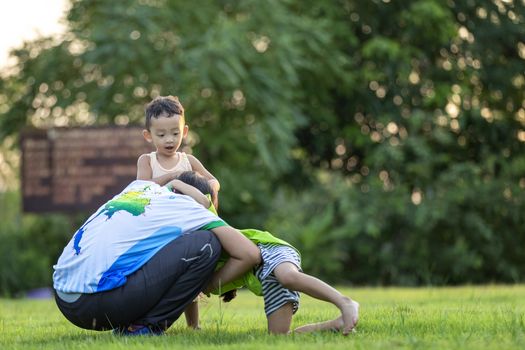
pixel 191 191
pixel 244 255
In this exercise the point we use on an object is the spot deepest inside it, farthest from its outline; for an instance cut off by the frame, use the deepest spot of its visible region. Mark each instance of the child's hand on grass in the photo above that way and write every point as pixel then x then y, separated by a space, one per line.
pixel 229 296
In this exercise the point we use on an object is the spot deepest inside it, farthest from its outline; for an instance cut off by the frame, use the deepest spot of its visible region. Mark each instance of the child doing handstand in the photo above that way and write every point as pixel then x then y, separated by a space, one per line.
pixel 279 277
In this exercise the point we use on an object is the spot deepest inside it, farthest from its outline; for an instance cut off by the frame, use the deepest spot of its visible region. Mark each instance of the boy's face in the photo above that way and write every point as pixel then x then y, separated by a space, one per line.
pixel 166 133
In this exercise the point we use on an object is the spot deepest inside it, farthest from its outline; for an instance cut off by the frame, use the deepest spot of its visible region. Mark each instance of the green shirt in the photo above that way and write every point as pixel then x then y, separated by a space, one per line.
pixel 249 280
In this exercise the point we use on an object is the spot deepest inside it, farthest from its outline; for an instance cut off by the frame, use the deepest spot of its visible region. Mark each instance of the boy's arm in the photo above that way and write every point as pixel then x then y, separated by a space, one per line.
pixel 191 191
pixel 144 172
pixel 243 256
pixel 197 166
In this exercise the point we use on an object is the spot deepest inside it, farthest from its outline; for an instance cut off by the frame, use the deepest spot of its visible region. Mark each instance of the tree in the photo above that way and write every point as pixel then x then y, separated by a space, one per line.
pixel 375 129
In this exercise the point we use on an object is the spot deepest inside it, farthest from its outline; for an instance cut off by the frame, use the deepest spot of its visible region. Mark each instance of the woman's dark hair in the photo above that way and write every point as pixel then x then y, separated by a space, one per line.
pixel 193 179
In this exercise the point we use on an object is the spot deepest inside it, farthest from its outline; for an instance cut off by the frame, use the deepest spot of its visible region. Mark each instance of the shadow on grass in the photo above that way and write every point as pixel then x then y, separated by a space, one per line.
pixel 180 336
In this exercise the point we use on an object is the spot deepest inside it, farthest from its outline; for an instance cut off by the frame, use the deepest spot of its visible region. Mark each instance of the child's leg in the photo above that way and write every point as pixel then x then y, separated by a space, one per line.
pixel 280 320
pixel 279 305
pixel 335 325
pixel 291 278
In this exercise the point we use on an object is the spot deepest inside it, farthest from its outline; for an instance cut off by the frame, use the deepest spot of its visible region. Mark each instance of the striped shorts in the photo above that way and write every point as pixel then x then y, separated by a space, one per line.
pixel 274 294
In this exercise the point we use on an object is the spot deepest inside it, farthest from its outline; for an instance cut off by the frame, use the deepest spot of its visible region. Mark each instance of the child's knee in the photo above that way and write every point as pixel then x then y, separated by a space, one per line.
pixel 288 279
pixel 279 321
pixel 278 330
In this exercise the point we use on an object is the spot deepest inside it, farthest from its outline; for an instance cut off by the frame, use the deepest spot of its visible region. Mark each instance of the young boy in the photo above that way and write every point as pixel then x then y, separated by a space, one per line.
pixel 279 276
pixel 166 128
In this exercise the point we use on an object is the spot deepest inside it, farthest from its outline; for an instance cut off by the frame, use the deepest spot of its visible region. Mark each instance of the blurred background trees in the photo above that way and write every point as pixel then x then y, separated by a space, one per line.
pixel 384 139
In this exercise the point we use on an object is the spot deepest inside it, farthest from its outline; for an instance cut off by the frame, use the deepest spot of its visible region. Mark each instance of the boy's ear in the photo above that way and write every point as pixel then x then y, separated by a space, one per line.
pixel 185 131
pixel 147 135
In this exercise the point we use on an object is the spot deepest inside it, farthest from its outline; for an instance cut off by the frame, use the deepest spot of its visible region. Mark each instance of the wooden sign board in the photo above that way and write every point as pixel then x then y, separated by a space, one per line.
pixel 78 169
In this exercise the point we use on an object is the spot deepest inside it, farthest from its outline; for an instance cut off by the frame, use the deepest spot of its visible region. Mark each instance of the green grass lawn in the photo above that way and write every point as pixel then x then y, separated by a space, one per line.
pixel 490 317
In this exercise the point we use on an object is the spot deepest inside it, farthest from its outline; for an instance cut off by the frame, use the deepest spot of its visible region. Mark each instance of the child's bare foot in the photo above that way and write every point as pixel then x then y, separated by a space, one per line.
pixel 332 325
pixel 350 315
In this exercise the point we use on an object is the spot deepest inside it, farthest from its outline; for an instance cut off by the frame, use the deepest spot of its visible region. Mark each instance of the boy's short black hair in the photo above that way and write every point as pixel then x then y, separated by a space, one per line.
pixel 163 106
pixel 193 179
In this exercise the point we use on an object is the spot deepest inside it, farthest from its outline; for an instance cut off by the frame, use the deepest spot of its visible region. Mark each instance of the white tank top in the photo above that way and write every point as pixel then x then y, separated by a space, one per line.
pixel 158 170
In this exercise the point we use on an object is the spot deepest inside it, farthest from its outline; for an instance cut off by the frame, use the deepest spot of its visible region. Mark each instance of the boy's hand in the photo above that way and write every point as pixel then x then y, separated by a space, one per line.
pixel 215 200
pixel 175 174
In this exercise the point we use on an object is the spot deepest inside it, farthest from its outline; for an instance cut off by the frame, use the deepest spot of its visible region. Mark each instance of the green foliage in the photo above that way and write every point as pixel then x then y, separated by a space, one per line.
pixel 29 246
pixel 464 228
pixel 393 131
